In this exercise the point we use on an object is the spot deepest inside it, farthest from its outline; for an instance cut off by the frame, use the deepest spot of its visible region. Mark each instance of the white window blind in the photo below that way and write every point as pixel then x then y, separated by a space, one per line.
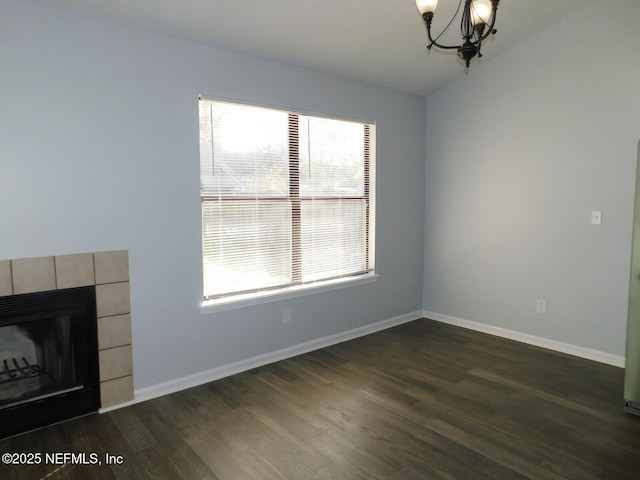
pixel 287 199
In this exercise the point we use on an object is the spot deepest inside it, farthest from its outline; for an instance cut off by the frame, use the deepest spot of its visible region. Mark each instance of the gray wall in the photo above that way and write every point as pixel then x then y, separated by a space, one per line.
pixel 519 152
pixel 99 151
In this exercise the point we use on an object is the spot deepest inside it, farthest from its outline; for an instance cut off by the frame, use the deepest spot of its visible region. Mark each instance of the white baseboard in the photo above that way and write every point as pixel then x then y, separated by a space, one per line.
pixel 588 353
pixel 217 373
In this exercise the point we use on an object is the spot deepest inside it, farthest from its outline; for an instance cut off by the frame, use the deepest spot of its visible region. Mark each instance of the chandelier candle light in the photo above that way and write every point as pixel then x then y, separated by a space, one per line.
pixel 478 19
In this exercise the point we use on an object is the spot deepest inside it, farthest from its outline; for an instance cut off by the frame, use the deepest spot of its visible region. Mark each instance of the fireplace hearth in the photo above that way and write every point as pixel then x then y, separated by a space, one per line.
pixel 48 358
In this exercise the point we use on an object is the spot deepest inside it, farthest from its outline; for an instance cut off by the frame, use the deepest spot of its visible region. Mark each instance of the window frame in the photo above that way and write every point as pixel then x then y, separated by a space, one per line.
pixel 297 287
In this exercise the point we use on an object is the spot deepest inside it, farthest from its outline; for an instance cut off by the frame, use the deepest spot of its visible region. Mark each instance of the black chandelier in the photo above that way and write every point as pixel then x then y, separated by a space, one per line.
pixel 478 19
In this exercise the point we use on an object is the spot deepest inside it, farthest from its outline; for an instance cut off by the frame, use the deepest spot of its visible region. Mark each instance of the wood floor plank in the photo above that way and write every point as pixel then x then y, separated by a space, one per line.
pixel 492 451
pixel 133 429
pixel 220 461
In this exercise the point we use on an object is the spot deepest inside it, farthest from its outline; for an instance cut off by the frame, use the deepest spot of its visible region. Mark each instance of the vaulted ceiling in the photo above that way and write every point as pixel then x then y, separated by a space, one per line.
pixel 378 41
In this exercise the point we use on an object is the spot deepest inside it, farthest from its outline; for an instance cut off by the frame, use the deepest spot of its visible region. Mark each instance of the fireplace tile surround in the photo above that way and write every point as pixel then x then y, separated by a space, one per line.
pixel 109 272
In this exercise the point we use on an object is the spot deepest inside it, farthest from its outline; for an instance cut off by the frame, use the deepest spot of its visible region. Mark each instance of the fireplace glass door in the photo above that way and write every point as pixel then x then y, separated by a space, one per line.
pixel 48 358
pixel 37 360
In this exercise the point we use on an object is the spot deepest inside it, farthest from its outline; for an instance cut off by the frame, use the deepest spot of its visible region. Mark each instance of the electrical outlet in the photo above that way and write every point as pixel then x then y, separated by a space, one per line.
pixel 286 316
pixel 541 306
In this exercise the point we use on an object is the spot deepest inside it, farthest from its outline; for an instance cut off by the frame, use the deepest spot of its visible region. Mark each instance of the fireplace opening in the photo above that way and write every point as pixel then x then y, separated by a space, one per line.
pixel 48 358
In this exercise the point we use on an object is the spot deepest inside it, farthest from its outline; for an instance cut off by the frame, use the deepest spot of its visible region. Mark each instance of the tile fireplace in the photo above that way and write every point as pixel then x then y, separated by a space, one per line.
pixel 86 332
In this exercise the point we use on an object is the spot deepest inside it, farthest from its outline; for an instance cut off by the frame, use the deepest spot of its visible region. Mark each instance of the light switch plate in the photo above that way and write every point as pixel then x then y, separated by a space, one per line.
pixel 596 217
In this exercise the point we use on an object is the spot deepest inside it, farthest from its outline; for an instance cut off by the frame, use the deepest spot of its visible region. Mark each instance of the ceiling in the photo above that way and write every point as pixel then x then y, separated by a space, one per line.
pixel 378 41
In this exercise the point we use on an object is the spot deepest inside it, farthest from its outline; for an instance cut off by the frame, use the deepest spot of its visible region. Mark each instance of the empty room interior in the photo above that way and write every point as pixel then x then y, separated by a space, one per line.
pixel 482 327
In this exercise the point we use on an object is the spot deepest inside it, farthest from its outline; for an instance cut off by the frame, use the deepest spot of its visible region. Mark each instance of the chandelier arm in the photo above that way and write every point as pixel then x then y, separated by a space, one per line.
pixel 444 47
pixel 494 14
pixel 428 17
pixel 480 33
pixel 434 42
pixel 466 26
pixel 489 28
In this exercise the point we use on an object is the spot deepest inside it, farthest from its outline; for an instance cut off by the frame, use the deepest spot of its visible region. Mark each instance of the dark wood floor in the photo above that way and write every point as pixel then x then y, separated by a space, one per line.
pixel 423 400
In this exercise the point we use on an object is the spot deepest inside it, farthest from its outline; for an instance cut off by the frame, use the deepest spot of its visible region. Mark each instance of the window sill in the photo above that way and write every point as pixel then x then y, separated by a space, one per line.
pixel 240 301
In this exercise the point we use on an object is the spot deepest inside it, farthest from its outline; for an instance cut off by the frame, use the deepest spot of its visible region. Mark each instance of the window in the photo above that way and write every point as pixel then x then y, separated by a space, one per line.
pixel 287 199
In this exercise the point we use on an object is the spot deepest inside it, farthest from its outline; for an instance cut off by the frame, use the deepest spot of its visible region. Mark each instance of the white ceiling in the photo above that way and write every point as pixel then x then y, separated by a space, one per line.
pixel 378 41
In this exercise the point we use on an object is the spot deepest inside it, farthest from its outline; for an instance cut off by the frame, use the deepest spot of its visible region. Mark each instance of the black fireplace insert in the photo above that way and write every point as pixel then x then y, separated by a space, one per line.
pixel 48 358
